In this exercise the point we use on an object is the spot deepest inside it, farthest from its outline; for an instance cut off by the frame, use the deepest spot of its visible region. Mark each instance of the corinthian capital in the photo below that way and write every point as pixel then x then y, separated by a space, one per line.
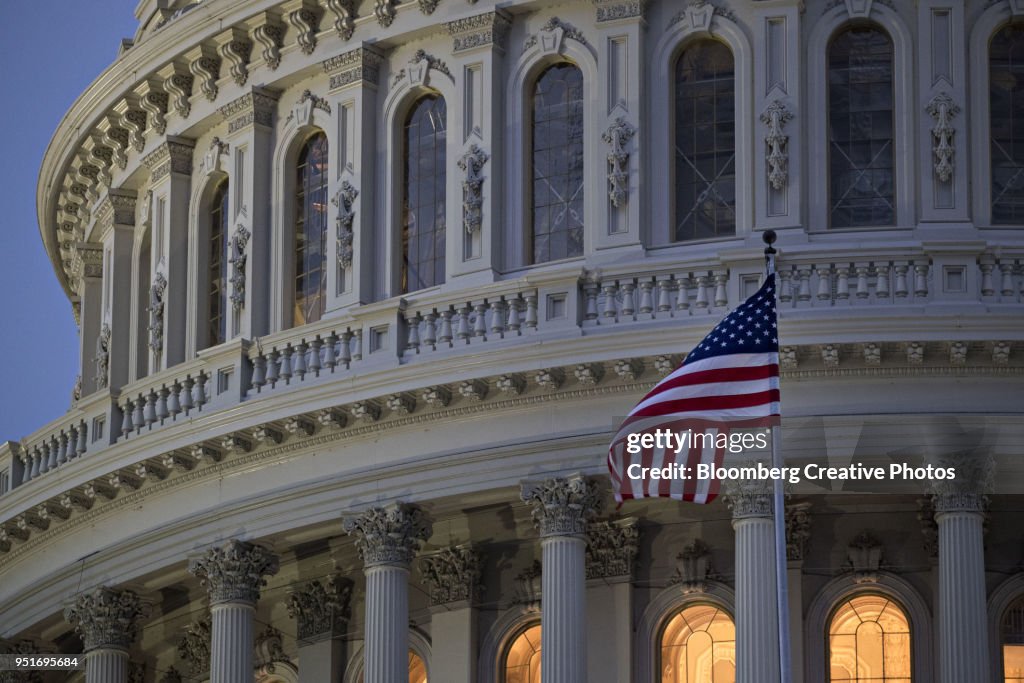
pixel 389 535
pixel 563 507
pixel 749 498
pixel 968 491
pixel 452 575
pixel 321 610
pixel 107 617
pixel 234 572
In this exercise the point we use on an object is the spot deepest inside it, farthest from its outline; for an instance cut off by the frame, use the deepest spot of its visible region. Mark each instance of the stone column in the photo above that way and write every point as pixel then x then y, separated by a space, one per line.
pixel 452 577
pixel 562 508
pixel 108 621
pixel 321 611
pixel 960 514
pixel 757 620
pixel 388 539
pixel 233 574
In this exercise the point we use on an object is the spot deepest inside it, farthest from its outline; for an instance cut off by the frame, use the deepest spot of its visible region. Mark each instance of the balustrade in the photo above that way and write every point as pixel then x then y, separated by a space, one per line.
pixel 432 327
pixel 163 403
pixel 61 442
pixel 285 360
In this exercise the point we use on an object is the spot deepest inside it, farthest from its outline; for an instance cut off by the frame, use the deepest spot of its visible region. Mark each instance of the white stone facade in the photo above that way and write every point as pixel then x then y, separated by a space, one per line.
pixel 287 501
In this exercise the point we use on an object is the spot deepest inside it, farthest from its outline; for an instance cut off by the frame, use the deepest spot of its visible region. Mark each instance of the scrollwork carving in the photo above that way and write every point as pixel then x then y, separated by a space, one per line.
pixel 776 116
pixel 321 609
pixel 943 109
pixel 344 17
pixel 472 164
pixel 344 199
pixel 618 136
pixel 237 258
pixel 194 647
pixel 157 291
pixel 451 575
pixel 612 548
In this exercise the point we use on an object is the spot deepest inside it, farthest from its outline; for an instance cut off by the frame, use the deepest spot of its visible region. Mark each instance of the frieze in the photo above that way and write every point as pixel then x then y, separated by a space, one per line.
pixel 361 64
pixel 618 10
pixel 256 107
pixel 173 156
pixel 481 30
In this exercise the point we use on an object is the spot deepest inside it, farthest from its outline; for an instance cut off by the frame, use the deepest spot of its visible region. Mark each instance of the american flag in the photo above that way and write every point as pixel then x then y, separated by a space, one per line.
pixel 729 381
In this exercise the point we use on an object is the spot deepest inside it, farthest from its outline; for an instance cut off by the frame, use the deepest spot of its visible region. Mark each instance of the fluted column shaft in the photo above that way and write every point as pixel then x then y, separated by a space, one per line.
pixel 757 620
pixel 106 665
pixel 232 641
pixel 387 625
pixel 563 609
pixel 963 631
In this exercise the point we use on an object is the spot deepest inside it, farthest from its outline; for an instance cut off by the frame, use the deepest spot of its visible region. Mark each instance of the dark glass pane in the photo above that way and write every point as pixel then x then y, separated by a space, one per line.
pixel 217 270
pixel 557 162
pixel 860 121
pixel 705 176
pixel 311 230
pixel 1006 108
pixel 423 200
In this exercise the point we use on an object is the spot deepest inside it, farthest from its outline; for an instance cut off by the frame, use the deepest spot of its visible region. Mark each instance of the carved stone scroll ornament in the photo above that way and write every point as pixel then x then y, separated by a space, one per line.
pixel 157 292
pixel 452 575
pixel 563 507
pixel 107 618
pixel 194 647
pixel 321 609
pixel 234 572
pixel 389 535
pixel 344 199
pixel 344 17
pixel 943 110
pixel 612 548
pixel 865 558
pixel 549 37
pixel 268 650
pixel 237 258
pixel 102 358
pixel 472 164
pixel 385 12
pixel 776 116
pixel 618 136
pixel 694 568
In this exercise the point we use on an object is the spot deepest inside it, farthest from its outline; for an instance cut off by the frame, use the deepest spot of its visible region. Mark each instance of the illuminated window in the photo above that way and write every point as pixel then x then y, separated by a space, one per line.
pixel 417 669
pixel 217 268
pixel 1012 638
pixel 1006 100
pixel 698 645
pixel 423 219
pixel 869 642
pixel 311 231
pixel 522 660
pixel 860 129
pixel 557 162
pixel 705 111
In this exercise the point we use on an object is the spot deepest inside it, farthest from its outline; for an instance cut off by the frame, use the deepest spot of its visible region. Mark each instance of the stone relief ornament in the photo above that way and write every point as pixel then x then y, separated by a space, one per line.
pixel 207 70
pixel 385 12
pixel 157 291
pixel 563 507
pixel 943 110
pixel 617 136
pixel 234 572
pixel 344 199
pixel 749 497
pixel 102 358
pixel 428 6
pixel 776 116
pixel 390 535
pixel 612 548
pixel 194 647
pixel 218 148
pixel 472 164
pixel 321 609
pixel 268 650
pixel 694 568
pixel 179 88
pixel 304 21
pixel 451 575
pixel 864 558
pixel 699 14
pixel 107 617
pixel 237 258
pixel 550 36
pixel 270 36
pixel 798 530
pixel 344 17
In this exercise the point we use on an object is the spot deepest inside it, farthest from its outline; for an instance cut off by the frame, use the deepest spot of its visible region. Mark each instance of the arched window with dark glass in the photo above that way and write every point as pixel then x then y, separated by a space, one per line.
pixel 860 129
pixel 423 194
pixel 217 268
pixel 311 231
pixel 1011 637
pixel 556 131
pixel 705 142
pixel 1006 124
pixel 869 642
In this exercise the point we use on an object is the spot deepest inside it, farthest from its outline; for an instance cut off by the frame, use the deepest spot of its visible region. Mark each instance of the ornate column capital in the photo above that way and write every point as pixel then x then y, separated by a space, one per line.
pixel 798 530
pixel 390 535
pixel 968 491
pixel 563 507
pixel 253 108
pixel 611 548
pixel 173 156
pixel 749 498
pixel 234 572
pixel 321 610
pixel 107 617
pixel 452 575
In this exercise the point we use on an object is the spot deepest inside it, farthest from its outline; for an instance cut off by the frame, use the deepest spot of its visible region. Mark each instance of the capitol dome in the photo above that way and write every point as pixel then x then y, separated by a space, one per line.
pixel 364 287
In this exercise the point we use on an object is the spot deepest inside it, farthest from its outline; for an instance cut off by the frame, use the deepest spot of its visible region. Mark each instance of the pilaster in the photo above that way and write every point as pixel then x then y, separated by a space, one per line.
pixel 113 344
pixel 321 611
pixel 452 578
pixel 87 279
pixel 610 558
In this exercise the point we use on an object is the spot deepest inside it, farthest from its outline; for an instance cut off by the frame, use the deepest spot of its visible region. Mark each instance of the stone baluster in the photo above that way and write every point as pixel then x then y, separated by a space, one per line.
pixel 412 341
pixel 824 282
pixel 757 620
pixel 480 321
pixel 357 345
pixel 200 390
pixel 646 296
pixel 610 290
pixel 960 515
pixel 313 360
pixel 331 352
pixel 1006 268
pixel 345 349
pixel 664 295
pixel 590 290
pixel 83 441
pixel 987 285
pixel 233 574
pixel 842 283
pixel 702 292
pixel 862 269
pixel 430 329
pixel 38 462
pixel 562 509
pixel 26 467
pixel 785 285
pixel 162 413
pixel 628 298
pixel 284 370
pixel 444 336
pixel 882 281
pixel 721 280
pixel 174 399
pixel 299 365
pixel 683 293
pixel 498 318
pixel 901 289
pixel 62 448
pixel 259 371
pixel 108 621
pixel 462 325
pixel 515 321
pixel 531 311
pixel 149 412
pixel 186 394
pixel 387 539
pixel 54 458
pixel 273 368
pixel 138 417
pixel 803 274
pixel 126 418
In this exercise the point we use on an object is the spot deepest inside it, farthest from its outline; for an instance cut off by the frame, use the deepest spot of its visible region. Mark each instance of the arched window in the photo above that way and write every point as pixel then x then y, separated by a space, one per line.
pixel 869 642
pixel 417 669
pixel 217 268
pixel 1006 103
pixel 1011 636
pixel 556 130
pixel 698 645
pixel 311 231
pixel 860 129
pixel 522 659
pixel 423 198
pixel 705 142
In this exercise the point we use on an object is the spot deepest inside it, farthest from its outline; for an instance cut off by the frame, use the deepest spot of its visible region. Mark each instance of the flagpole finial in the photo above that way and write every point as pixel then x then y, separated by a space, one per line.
pixel 769 238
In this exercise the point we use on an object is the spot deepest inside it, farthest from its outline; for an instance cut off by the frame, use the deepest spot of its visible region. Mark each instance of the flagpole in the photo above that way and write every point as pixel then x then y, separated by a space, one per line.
pixel 779 509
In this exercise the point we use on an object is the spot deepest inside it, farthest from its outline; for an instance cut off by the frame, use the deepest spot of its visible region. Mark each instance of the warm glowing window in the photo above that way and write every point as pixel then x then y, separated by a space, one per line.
pixel 311 231
pixel 417 669
pixel 1012 638
pixel 698 645
pixel 217 270
pixel 557 162
pixel 423 216
pixel 1006 142
pixel 522 661
pixel 705 154
pixel 860 125
pixel 869 642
